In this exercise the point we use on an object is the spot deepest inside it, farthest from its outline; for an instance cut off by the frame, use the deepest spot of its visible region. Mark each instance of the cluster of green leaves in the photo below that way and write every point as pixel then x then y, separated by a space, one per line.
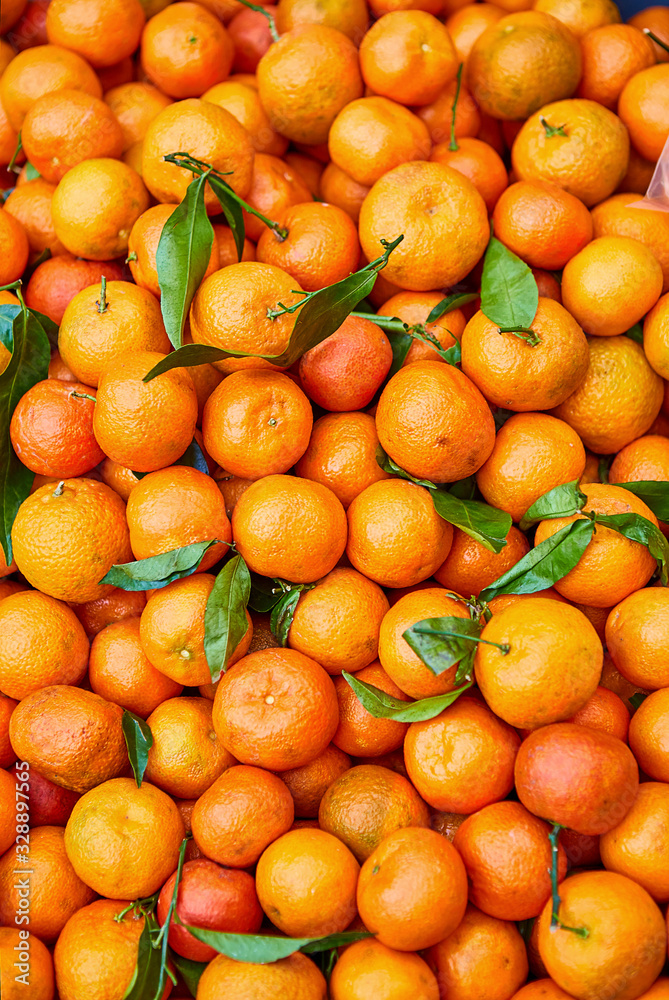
pixel 556 556
pixel 181 261
pixel 486 524
pixel 26 335
pixel 154 956
pixel 509 293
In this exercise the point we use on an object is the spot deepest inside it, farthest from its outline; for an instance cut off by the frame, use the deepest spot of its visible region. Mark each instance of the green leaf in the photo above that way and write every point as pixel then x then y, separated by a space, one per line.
pixel 639 529
pixel 387 464
pixel 561 501
pixel 319 317
pixel 7 315
pixel 451 302
pixel 637 699
pixel 193 457
pixel 182 256
pixel 384 706
pixel 225 621
pixel 232 211
pixel 545 564
pixel 32 173
pixel 654 493
pixel 28 365
pixel 189 971
pixel 464 489
pixel 139 740
pixel 158 571
pixel 264 593
pixel 400 344
pixel 282 615
pixel 262 949
pixel 443 642
pixel 49 327
pixel 144 983
pixel 603 467
pixel 509 294
pixel 635 333
pixel 486 524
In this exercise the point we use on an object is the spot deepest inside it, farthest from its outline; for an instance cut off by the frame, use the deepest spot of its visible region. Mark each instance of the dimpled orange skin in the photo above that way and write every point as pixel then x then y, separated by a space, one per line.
pixel 71 736
pixel 522 47
pixel 52 430
pixel 368 969
pixel 177 506
pixel 295 976
pixel 589 161
pixel 442 216
pixel 643 108
pixel 135 104
pixel 41 966
pixel 98 846
pixel 337 623
pixel 636 637
pixel 257 423
pixel 412 889
pixel 143 243
pixel 611 284
pixel 541 989
pixel 104 33
pixel 434 423
pixel 541 223
pixel 612 55
pixel 92 519
pixel 616 217
pixel 656 336
pixel 463 759
pixel 399 661
pixel 612 567
pixel 185 50
pixel 415 307
pixel 96 205
pixel 483 959
pixel 88 339
pixel 341 455
pixel 276 709
pixel 229 310
pixel 42 70
pixel 524 686
pixel 144 425
pixel 366 804
pixel 95 952
pixel 64 128
pixel 408 56
pixel 56 892
pixel 510 373
pixel 41 643
pixel 617 365
pixel 306 882
pixel 289 527
pixel 626 946
pixel 371 136
pixel 470 566
pixel 120 671
pixel 591 789
pixel 637 847
pixel 186 757
pixel 306 78
pixel 507 855
pixel 396 537
pixel 648 735
pixel 240 814
pixel 606 711
pixel 172 630
pixel 241 100
pixel 533 453
pixel 308 784
pixel 205 131
pixel 359 733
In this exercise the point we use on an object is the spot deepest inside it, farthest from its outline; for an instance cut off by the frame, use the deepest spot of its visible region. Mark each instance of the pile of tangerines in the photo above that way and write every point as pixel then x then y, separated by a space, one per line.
pixel 334 486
